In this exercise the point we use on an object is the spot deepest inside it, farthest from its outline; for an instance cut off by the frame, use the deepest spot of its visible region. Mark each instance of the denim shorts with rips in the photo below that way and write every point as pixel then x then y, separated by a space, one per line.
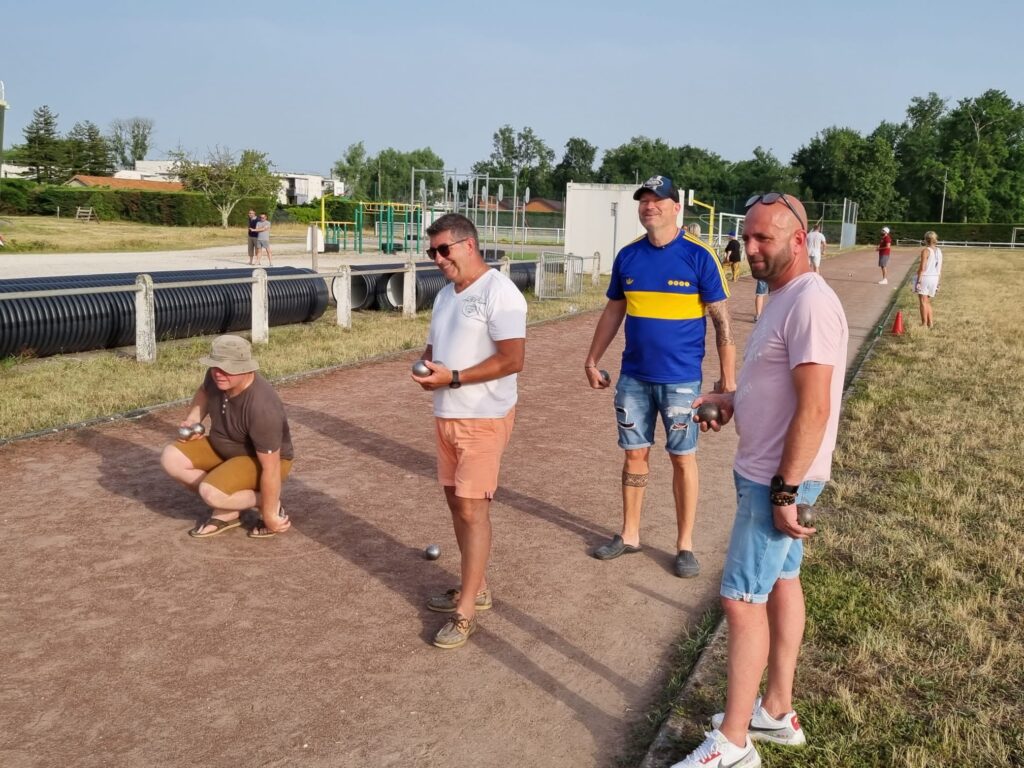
pixel 638 404
pixel 760 554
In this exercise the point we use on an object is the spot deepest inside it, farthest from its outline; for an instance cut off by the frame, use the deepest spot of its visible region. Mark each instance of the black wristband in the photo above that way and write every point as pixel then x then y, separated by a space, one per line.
pixel 783 499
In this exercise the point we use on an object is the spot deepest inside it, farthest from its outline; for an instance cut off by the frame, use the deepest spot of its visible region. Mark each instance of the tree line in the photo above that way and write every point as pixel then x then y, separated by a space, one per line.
pixel 961 162
pixel 85 149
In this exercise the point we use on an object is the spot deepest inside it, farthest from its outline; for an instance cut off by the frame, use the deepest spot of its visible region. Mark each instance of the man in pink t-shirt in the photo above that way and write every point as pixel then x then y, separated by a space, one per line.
pixel 787 413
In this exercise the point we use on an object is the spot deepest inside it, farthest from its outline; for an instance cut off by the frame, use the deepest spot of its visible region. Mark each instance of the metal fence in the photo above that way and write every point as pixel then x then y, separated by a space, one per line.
pixel 559 276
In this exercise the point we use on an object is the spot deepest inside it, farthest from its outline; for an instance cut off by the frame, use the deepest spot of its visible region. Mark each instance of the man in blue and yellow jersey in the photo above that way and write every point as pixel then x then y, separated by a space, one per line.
pixel 663 285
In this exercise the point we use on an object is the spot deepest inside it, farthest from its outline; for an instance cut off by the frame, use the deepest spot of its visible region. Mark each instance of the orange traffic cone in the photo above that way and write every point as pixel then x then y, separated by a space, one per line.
pixel 897 326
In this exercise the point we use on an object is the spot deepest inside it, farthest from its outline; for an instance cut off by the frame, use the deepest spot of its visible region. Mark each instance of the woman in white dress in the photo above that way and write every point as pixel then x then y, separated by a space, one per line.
pixel 928 272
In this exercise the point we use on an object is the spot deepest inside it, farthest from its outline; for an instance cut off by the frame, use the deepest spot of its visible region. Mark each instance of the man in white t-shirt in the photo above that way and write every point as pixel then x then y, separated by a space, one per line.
pixel 786 406
pixel 475 347
pixel 816 247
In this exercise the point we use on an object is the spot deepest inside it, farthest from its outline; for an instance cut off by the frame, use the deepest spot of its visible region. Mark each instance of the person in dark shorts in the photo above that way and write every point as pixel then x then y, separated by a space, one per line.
pixel 253 239
pixel 733 255
pixel 243 458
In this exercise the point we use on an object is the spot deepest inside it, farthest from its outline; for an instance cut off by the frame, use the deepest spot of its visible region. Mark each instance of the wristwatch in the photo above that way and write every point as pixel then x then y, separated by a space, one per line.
pixel 783 495
pixel 779 486
pixel 455 380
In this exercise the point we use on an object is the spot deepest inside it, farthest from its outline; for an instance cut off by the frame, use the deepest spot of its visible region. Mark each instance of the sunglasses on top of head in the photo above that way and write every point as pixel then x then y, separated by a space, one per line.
pixel 768 198
pixel 444 249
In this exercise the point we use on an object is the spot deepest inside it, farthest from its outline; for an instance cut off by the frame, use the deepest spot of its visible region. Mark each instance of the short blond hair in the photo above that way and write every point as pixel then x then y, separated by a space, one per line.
pixel 930 237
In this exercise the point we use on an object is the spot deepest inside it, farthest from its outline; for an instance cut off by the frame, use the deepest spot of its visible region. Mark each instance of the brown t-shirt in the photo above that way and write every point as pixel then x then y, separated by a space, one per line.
pixel 251 422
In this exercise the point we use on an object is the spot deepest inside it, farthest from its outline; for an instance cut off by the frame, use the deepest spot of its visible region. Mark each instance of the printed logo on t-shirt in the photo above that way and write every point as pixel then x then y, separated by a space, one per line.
pixel 474 307
pixel 629 281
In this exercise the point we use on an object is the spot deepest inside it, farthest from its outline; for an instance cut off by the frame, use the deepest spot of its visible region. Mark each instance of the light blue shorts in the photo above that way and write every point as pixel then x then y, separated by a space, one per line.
pixel 759 553
pixel 638 404
pixel 761 289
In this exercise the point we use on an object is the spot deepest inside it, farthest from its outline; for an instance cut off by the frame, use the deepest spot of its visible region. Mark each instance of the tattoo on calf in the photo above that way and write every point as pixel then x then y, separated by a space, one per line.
pixel 635 479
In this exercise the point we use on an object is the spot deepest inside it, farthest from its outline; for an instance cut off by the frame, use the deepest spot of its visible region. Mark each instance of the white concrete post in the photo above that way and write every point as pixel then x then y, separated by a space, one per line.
pixel 595 275
pixel 260 308
pixel 506 267
pixel 145 319
pixel 311 243
pixel 538 276
pixel 409 289
pixel 343 295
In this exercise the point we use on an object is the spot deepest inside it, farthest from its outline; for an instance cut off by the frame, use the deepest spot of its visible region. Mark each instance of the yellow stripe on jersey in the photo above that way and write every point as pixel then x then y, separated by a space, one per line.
pixel 714 257
pixel 664 306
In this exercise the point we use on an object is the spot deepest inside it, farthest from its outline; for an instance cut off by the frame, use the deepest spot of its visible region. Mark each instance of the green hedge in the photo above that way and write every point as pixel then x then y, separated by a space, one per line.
pixel 185 209
pixel 868 232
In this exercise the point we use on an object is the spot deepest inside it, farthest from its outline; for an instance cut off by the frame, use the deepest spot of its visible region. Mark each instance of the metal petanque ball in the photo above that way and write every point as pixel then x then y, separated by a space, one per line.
pixel 606 376
pixel 432 552
pixel 419 368
pixel 708 412
pixel 198 429
pixel 805 515
pixel 184 432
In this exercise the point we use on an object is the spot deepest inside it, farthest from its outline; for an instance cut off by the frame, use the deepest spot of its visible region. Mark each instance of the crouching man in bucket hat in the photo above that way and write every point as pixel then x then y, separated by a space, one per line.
pixel 241 460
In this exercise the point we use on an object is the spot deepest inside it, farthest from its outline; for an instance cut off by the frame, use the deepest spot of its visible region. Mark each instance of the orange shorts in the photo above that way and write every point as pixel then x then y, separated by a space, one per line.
pixel 241 473
pixel 469 453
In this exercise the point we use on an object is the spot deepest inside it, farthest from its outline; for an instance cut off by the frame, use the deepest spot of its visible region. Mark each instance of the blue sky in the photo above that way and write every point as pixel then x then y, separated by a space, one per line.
pixel 303 80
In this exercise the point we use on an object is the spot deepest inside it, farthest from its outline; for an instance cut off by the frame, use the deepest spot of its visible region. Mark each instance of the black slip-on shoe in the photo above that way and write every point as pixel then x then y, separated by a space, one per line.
pixel 614 548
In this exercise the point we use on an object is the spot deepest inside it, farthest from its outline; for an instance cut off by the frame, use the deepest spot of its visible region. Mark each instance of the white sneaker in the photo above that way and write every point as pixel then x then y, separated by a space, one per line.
pixel 883 281
pixel 763 727
pixel 718 752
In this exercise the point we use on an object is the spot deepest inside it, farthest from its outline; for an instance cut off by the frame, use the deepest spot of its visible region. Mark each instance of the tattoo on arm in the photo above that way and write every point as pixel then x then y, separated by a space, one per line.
pixel 720 317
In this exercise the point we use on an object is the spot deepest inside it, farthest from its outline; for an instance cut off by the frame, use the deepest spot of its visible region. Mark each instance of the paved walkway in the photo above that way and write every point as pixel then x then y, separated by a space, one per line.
pixel 129 644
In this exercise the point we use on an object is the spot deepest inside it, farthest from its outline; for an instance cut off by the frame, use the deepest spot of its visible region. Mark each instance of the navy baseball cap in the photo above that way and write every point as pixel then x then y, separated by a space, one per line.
pixel 662 186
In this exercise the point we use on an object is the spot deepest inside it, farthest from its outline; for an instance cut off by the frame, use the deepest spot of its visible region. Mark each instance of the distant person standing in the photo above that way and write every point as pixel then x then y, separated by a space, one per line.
pixel 253 238
pixel 884 249
pixel 478 330
pixel 760 294
pixel 263 239
pixel 733 255
pixel 929 270
pixel 816 247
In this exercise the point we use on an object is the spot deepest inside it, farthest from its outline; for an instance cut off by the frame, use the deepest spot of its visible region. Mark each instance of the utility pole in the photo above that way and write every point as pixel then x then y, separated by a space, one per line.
pixel 942 211
pixel 3 109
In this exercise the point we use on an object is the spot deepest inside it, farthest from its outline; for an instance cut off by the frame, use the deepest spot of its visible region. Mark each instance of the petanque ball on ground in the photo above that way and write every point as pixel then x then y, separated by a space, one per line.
pixel 432 552
pixel 708 412
pixel 420 368
pixel 805 515
pixel 606 376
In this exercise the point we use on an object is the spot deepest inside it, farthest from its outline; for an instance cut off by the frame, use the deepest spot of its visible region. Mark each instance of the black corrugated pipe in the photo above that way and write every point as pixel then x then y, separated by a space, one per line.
pixel 523 275
pixel 391 289
pixel 61 324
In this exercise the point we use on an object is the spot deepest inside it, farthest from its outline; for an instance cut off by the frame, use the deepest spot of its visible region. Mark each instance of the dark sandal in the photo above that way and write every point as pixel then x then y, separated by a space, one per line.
pixel 262 532
pixel 614 548
pixel 219 526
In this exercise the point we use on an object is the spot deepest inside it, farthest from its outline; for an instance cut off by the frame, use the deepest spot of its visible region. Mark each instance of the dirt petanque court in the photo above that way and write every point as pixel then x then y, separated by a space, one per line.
pixel 127 643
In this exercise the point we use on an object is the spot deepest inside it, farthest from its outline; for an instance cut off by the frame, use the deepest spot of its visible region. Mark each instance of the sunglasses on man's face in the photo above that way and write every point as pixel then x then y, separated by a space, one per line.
pixel 444 249
pixel 768 198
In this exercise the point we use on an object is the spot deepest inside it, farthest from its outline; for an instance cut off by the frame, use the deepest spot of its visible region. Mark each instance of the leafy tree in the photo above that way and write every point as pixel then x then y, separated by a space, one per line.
pixel 87 151
pixel 981 140
pixel 520 155
pixel 577 164
pixel 762 173
pixel 637 160
pixel 130 139
pixel 351 169
pixel 225 181
pixel 43 150
pixel 922 168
